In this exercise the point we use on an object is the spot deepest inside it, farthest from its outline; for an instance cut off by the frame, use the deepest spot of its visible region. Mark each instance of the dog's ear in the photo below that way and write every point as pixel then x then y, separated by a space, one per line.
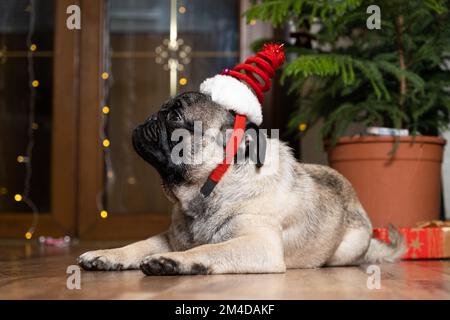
pixel 255 143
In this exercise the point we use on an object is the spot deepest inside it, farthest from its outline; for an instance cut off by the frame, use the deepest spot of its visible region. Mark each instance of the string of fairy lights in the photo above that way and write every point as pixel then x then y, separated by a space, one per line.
pixel 26 158
pixel 107 81
pixel 128 169
pixel 34 84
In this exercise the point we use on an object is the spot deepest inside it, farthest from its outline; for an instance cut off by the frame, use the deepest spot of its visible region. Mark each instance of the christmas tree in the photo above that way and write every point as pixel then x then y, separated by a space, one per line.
pixel 385 70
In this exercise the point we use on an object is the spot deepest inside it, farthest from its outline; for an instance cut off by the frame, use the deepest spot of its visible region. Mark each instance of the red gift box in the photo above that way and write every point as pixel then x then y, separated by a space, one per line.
pixel 429 240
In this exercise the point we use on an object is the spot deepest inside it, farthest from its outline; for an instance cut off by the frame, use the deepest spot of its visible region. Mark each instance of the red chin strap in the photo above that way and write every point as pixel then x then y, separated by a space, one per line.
pixel 230 151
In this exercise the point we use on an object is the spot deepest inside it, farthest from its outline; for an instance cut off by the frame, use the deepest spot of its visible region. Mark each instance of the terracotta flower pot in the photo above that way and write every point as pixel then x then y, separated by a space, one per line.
pixel 401 190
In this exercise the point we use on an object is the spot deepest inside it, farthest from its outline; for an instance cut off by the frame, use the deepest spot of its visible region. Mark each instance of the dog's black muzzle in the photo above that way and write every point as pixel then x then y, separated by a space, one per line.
pixel 146 137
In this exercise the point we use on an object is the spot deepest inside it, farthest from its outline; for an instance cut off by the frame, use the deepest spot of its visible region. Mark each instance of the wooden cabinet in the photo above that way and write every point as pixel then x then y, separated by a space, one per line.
pixel 97 84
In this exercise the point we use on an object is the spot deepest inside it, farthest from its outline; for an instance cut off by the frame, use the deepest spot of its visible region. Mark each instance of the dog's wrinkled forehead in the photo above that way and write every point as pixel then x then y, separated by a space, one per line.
pixel 196 106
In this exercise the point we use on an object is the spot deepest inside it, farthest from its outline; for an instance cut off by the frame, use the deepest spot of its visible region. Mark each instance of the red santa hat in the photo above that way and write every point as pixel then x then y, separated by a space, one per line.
pixel 233 88
pixel 241 90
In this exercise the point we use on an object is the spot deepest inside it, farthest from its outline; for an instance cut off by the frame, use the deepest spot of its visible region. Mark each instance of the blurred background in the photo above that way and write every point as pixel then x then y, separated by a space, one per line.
pixel 69 100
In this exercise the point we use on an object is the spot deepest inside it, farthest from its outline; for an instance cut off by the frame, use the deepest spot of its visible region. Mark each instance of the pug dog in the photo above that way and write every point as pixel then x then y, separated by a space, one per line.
pixel 258 219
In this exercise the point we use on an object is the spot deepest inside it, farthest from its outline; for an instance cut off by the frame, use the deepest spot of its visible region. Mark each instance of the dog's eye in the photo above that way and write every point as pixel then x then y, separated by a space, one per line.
pixel 174 116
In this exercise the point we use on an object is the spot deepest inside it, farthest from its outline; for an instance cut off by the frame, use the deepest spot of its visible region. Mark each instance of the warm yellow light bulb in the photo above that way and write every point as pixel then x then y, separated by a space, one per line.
pixel 105 75
pixel 183 81
pixel 104 214
pixel 28 235
pixel 33 47
pixel 302 126
pixel 105 109
pixel 20 159
pixel 106 143
pixel 18 197
pixel 35 83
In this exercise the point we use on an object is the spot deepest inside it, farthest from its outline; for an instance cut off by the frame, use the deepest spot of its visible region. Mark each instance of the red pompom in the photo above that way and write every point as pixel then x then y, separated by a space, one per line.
pixel 273 52
pixel 256 71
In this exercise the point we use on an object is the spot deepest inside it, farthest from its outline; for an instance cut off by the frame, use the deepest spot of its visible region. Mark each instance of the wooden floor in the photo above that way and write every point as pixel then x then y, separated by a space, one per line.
pixel 31 272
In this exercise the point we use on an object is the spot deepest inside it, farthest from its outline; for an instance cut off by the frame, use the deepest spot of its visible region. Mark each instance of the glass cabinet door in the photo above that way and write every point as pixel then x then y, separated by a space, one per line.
pixel 35 198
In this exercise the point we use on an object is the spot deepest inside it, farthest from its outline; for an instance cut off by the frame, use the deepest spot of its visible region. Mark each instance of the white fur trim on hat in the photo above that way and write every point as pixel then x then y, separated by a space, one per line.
pixel 233 95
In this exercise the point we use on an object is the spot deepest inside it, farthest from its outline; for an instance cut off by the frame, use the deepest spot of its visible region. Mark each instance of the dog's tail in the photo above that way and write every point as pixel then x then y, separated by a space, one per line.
pixel 380 251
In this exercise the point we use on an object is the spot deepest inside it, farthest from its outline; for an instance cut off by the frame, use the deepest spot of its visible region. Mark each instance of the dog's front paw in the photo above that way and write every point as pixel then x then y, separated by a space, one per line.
pixel 106 260
pixel 169 265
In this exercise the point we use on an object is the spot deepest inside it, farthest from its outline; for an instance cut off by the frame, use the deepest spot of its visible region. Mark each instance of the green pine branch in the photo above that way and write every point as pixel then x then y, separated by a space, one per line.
pixel 360 81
